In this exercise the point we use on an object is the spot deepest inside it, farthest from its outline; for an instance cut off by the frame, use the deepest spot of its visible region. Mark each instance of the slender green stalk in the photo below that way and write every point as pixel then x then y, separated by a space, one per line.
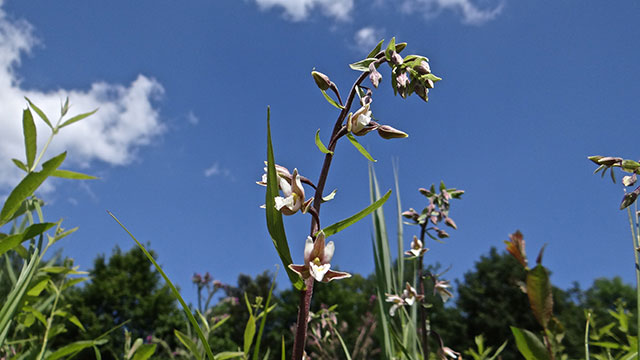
pixel 45 340
pixel 634 238
pixel 586 338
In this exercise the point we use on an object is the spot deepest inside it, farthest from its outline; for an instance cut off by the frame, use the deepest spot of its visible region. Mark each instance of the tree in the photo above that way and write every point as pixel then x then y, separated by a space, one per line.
pixel 124 288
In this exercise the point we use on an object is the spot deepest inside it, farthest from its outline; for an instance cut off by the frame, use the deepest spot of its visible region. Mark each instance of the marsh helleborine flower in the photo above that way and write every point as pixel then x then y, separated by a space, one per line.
pixel 291 187
pixel 360 122
pixel 317 258
pixel 416 248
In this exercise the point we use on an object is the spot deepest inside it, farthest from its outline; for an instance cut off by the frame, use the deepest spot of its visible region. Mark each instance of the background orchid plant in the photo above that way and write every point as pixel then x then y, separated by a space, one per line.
pixel 410 74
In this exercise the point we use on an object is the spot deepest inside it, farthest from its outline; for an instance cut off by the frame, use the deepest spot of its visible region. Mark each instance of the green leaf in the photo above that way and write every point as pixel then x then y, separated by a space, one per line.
pixel 77 118
pixel 30 143
pixel 249 332
pixel 39 112
pixel 275 225
pixel 145 351
pixel 67 174
pixel 37 288
pixel 74 348
pixel 256 349
pixel 228 355
pixel 32 231
pixel 188 343
pixel 629 165
pixel 390 48
pixel 173 288
pixel 341 225
pixel 363 65
pixel 529 345
pixel 27 186
pixel 20 165
pixel 360 148
pixel 539 293
pixel 320 145
pixel 331 101
pixel 431 77
pixel 376 49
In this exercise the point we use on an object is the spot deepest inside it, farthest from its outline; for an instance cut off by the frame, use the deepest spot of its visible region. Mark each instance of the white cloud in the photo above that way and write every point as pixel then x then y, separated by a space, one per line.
pixel 298 10
pixel 126 120
pixel 470 12
pixel 192 118
pixel 215 170
pixel 367 37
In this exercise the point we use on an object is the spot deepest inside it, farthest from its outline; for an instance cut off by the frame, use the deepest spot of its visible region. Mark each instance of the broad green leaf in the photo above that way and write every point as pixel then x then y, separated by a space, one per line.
pixel 390 48
pixel 529 345
pixel 74 348
pixel 37 314
pixel 67 174
pixel 59 236
pixel 13 301
pixel 188 343
pixel 36 289
pixel 145 351
pixel 27 186
pixel 77 118
pixel 73 282
pixel 539 293
pixel 331 101
pixel 275 225
pixel 376 49
pixel 629 165
pixel 360 148
pixel 173 288
pixel 27 205
pixel 30 142
pixel 75 321
pixel 40 113
pixel 363 65
pixel 20 165
pixel 249 332
pixel 32 231
pixel 341 225
pixel 320 145
pixel 228 355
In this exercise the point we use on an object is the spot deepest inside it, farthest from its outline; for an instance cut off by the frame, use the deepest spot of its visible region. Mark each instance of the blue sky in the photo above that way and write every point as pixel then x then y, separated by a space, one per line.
pixel 530 89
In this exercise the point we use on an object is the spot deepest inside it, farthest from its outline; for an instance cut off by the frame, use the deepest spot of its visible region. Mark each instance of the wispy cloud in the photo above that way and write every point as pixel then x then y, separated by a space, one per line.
pixel 367 37
pixel 216 170
pixel 471 13
pixel 298 10
pixel 127 119
pixel 192 118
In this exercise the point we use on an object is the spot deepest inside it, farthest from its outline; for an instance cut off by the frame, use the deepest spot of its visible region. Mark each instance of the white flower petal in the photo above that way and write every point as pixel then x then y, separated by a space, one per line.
pixel 328 252
pixel 318 271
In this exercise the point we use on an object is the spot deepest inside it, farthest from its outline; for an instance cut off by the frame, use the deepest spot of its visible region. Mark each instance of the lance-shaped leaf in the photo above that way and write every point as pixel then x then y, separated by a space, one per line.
pixel 67 174
pixel 32 231
pixel 74 348
pixel 27 186
pixel 40 113
pixel 390 48
pixel 362 65
pixel 275 225
pixel 360 148
pixel 331 101
pixel 343 224
pixel 77 118
pixel 539 293
pixel 376 49
pixel 20 165
pixel 320 145
pixel 29 130
pixel 529 345
pixel 188 343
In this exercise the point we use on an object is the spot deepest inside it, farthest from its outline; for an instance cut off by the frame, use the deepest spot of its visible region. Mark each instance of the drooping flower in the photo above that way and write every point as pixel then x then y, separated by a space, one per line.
pixel 397 302
pixel 317 258
pixel 360 122
pixel 445 353
pixel 291 186
pixel 441 288
pixel 409 297
pixel 416 248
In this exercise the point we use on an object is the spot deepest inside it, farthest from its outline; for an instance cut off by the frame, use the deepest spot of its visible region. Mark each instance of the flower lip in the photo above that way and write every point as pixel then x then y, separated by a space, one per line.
pixel 317 257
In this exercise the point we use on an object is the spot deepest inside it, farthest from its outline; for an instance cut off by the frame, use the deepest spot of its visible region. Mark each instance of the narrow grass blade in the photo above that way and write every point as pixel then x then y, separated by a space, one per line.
pixel 175 291
pixel 40 113
pixel 400 228
pixel 275 225
pixel 67 174
pixel 331 101
pixel 343 224
pixel 77 118
pixel 256 349
pixel 188 343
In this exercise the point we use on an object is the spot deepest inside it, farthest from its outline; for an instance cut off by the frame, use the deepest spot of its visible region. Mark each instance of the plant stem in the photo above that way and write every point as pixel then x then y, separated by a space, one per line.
pixel 49 324
pixel 424 336
pixel 634 238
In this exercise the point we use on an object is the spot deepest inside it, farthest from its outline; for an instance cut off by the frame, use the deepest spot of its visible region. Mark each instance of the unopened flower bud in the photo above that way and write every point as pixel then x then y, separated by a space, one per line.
pixel 387 132
pixel 629 198
pixel 449 221
pixel 423 68
pixel 422 92
pixel 396 59
pixel 442 234
pixel 428 83
pixel 609 161
pixel 410 214
pixel 196 279
pixel 374 75
pixel 321 80
pixel 366 100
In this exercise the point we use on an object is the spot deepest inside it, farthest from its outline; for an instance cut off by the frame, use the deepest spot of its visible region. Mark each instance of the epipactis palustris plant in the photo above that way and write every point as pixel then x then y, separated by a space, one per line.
pixel 409 75
pixel 436 212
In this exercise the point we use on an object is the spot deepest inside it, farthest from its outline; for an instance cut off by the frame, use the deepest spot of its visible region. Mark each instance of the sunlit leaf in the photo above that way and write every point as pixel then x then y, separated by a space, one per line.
pixel 188 343
pixel 30 141
pixel 360 148
pixel 20 165
pixel 74 348
pixel 145 351
pixel 539 293
pixel 376 49
pixel 32 231
pixel 529 345
pixel 228 355
pixel 40 113
pixel 331 101
pixel 343 224
pixel 67 174
pixel 249 332
pixel 275 224
pixel 27 186
pixel 320 145
pixel 362 65
pixel 77 118
pixel 390 48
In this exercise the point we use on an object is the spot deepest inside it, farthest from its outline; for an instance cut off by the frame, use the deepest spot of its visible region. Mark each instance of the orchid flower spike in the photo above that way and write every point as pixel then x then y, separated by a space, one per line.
pixel 317 258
